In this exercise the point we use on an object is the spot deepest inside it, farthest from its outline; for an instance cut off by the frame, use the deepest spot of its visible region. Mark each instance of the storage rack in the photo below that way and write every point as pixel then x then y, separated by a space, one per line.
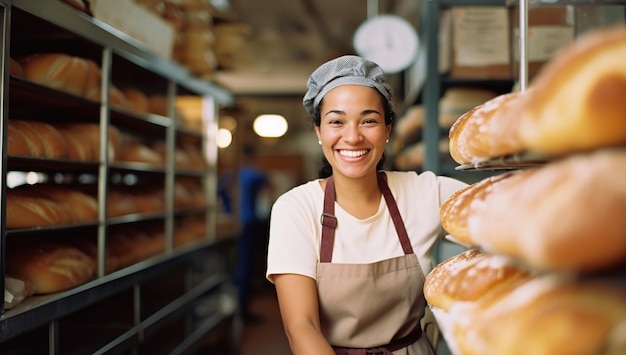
pixel 171 302
pixel 435 83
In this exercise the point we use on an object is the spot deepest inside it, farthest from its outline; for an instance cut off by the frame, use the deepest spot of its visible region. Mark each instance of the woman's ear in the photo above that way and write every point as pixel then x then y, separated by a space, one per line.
pixel 317 132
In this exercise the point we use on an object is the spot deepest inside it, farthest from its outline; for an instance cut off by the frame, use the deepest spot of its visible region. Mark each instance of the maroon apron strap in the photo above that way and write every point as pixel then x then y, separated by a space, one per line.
pixel 329 221
pixel 395 214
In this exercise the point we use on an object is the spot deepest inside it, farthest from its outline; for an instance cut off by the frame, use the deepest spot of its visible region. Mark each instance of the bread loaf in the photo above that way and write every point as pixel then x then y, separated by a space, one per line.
pixel 84 140
pixel 15 68
pixel 137 100
pixel 574 104
pixel 47 205
pixel 488 130
pixel 577 100
pixel 24 210
pixel 544 316
pixel 24 140
pixel 57 70
pixel 455 210
pixel 566 215
pixel 469 276
pixel 83 207
pixel 50 267
pixel 18 143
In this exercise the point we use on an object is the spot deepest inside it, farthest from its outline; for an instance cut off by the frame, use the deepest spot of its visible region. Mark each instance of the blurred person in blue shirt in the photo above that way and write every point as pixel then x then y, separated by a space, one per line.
pixel 252 182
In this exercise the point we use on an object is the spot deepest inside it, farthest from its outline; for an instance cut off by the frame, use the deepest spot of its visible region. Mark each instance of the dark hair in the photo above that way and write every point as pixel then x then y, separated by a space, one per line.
pixel 326 169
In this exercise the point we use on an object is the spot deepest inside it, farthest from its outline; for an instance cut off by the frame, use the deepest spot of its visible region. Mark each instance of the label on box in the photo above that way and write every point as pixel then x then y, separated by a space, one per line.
pixel 544 41
pixel 480 36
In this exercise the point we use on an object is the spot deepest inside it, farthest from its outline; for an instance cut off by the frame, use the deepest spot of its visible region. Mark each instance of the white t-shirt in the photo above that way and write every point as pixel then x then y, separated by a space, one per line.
pixel 295 228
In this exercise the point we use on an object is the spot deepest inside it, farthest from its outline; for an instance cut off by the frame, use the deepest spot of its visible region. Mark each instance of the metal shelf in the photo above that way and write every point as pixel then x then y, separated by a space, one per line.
pixel 107 36
pixel 39 310
pixel 25 98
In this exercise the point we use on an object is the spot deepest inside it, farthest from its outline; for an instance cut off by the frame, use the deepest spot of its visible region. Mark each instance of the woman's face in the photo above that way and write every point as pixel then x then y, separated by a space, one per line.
pixel 352 129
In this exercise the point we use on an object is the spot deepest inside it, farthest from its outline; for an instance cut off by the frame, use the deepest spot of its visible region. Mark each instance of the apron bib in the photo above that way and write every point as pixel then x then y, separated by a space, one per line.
pixel 369 308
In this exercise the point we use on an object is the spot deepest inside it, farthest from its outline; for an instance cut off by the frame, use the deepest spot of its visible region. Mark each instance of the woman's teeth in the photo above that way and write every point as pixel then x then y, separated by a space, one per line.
pixel 352 153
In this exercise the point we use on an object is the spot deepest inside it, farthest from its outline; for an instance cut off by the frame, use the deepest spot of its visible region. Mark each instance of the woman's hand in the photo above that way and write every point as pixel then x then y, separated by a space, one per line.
pixel 299 309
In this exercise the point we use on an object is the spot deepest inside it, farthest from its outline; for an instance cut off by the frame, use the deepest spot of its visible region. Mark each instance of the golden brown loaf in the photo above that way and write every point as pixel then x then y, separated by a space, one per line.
pixel 50 267
pixel 577 101
pixel 58 71
pixel 48 205
pixel 455 210
pixel 488 130
pixel 15 68
pixel 544 316
pixel 575 104
pixel 568 214
pixel 468 277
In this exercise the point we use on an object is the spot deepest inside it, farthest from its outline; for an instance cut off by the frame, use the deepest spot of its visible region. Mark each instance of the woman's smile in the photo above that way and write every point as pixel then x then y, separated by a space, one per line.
pixel 353 153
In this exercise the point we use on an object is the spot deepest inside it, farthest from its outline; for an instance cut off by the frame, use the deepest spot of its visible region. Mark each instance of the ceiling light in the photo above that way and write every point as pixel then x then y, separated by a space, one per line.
pixel 224 138
pixel 270 125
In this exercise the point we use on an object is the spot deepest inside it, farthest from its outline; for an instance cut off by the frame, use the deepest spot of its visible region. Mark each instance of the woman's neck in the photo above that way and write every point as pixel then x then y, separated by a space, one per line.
pixel 359 197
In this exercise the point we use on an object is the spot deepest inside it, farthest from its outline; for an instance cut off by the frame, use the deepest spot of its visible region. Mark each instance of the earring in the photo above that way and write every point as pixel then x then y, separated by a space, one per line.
pixel 387 141
pixel 319 142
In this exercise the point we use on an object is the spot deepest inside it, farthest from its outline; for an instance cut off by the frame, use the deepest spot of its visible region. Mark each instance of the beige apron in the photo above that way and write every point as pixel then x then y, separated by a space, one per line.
pixel 369 308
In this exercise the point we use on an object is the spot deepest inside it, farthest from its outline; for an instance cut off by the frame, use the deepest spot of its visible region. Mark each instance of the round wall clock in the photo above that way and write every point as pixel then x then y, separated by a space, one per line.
pixel 388 40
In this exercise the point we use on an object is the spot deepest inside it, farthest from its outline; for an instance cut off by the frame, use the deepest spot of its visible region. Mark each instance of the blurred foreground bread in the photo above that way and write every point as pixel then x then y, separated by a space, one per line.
pixel 50 267
pixel 575 104
pixel 565 215
pixel 544 316
pixel 577 101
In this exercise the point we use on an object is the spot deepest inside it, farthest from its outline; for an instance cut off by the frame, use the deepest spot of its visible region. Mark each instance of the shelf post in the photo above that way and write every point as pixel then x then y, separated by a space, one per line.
pixel 432 87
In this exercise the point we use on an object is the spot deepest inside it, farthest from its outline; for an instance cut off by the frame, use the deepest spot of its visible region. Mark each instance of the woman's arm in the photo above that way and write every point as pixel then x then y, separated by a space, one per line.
pixel 299 309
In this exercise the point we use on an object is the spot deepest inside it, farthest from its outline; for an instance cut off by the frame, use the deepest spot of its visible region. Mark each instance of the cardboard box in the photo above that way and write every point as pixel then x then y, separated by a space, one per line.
pixel 549 29
pixel 137 22
pixel 481 42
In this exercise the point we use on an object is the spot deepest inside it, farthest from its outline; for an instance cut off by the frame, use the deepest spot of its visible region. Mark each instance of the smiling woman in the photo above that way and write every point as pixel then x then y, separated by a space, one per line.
pixel 336 239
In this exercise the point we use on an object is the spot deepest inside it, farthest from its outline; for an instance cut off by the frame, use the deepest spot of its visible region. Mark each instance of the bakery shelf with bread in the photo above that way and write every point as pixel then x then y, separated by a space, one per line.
pixel 122 199
pixel 575 104
pixel 546 233
pixel 487 303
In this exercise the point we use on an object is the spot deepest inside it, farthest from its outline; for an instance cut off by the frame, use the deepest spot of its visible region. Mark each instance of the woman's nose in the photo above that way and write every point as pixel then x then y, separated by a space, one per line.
pixel 352 134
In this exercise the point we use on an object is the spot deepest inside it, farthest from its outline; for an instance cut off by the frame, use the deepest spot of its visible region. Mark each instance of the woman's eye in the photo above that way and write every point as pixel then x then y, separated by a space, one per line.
pixel 370 121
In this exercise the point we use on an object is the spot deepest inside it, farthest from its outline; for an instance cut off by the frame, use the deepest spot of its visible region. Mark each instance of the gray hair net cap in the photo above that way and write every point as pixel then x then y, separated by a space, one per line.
pixel 346 70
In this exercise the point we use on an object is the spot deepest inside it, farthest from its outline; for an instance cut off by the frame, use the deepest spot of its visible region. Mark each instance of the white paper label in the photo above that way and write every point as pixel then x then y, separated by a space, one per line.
pixel 481 36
